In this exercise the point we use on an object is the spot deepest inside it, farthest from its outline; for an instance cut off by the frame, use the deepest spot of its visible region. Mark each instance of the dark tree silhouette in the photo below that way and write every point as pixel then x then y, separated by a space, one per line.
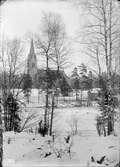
pixel 27 86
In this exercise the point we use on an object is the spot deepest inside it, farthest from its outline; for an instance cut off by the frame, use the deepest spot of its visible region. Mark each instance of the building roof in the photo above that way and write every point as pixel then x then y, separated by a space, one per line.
pixel 32 51
pixel 62 75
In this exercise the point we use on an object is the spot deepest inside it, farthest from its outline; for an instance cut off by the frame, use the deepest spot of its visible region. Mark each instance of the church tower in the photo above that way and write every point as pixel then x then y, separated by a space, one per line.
pixel 32 62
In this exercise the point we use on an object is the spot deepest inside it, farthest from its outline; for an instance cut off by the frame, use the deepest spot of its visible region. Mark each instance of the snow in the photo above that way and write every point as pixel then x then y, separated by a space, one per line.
pixel 30 149
pixel 24 150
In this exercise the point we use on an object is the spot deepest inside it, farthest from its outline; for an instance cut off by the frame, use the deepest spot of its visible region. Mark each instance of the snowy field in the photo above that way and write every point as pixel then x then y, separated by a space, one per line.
pixel 27 149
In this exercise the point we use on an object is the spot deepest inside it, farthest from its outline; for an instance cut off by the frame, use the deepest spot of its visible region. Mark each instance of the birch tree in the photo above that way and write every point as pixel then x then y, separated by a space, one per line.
pixel 1 129
pixel 103 32
pixel 50 44
pixel 44 44
pixel 11 63
pixel 102 38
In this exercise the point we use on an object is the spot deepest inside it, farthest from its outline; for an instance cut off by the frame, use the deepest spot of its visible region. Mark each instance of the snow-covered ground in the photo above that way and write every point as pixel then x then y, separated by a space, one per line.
pixel 30 149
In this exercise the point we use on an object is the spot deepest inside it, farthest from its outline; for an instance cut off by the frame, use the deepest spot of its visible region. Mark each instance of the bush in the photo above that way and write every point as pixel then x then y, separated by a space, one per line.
pixel 74 126
pixel 27 86
pixel 12 117
pixel 42 129
pixel 107 104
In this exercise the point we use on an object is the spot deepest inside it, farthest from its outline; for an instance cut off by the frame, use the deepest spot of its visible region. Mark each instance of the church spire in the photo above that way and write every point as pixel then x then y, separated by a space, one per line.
pixel 32 47
pixel 32 61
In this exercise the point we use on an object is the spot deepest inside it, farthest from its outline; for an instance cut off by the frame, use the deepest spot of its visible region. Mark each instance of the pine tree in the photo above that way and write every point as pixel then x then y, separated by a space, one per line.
pixel 75 73
pixel 82 70
pixel 107 107
pixel 17 120
pixel 13 114
pixel 65 88
pixel 27 86
pixel 76 83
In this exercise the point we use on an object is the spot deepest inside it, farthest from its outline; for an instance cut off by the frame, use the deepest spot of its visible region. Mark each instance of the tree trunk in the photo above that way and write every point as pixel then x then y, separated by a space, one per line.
pixel 98 61
pixel 110 127
pixel 81 97
pixel 104 130
pixel 47 98
pixel 51 123
pixel 1 138
pixel 46 111
pixel 38 96
pixel 76 94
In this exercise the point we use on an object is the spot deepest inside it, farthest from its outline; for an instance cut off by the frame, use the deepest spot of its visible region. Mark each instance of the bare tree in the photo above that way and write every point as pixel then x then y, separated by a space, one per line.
pixel 103 39
pixel 45 46
pixel 103 32
pixel 60 46
pixel 93 52
pixel 11 64
pixel 59 57
pixel 11 80
pixel 1 125
pixel 50 45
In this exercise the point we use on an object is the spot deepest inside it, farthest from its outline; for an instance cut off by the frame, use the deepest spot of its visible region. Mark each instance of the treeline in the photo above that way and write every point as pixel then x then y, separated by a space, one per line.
pixel 83 79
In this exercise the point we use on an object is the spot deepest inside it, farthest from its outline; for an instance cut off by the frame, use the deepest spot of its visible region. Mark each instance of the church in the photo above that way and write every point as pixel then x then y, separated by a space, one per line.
pixel 38 76
pixel 32 62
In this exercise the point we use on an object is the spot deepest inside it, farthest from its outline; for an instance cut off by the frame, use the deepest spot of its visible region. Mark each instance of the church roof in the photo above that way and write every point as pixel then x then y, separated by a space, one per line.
pixel 42 73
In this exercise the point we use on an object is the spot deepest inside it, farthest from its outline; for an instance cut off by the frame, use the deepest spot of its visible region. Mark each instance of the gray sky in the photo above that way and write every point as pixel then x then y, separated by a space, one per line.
pixel 19 18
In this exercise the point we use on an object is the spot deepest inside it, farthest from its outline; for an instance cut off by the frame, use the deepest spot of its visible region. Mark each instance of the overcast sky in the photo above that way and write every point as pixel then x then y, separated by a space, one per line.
pixel 19 18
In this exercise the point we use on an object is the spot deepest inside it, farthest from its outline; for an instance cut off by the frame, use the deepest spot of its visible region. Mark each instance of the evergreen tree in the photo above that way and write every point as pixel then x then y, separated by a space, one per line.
pixel 107 104
pixel 84 79
pixel 82 70
pixel 75 77
pixel 17 120
pixel 75 73
pixel 27 86
pixel 65 88
pixel 13 109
